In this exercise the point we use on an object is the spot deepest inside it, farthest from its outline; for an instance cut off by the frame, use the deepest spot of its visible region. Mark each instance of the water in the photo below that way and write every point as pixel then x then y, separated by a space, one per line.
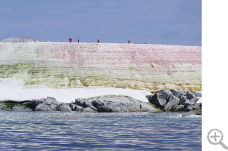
pixel 98 131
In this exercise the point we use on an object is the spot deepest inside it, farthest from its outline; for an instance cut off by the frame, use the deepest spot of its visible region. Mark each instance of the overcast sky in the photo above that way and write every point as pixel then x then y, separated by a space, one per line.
pixel 175 22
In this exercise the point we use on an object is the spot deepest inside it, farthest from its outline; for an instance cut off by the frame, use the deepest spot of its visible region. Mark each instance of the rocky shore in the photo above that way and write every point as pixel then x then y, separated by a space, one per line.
pixel 173 100
pixel 97 104
pixel 163 100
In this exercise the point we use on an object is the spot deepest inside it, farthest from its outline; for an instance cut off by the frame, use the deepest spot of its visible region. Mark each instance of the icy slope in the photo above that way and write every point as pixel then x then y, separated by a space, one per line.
pixel 71 65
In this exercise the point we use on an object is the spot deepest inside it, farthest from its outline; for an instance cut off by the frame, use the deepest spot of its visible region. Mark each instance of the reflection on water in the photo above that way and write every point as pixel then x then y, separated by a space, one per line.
pixel 98 131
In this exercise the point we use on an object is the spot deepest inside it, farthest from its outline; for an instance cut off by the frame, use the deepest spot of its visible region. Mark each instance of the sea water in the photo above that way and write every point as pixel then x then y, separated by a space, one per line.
pixel 99 131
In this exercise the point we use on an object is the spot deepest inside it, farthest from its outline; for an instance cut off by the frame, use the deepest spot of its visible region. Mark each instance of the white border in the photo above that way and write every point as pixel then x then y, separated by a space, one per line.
pixel 215 69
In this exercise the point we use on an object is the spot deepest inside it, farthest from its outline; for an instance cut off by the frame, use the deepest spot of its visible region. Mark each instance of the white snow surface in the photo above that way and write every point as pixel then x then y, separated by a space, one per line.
pixel 11 89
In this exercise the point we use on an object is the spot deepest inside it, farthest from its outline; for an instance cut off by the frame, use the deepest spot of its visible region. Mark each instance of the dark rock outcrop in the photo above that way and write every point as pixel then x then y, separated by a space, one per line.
pixel 198 94
pixel 63 107
pixel 161 97
pixel 173 100
pixel 116 104
pixel 166 100
pixel 97 104
pixel 46 104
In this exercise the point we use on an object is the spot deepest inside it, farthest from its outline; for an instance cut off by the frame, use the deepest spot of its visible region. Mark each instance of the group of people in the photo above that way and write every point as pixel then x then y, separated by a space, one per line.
pixel 98 41
pixel 70 40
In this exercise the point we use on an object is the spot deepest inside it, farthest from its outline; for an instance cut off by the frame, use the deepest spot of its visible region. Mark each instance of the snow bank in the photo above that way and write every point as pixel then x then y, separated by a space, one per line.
pixel 11 89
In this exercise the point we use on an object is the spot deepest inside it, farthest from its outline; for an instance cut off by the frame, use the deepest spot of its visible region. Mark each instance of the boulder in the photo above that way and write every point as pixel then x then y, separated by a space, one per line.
pixel 197 93
pixel 73 106
pixel 186 102
pixel 161 97
pixel 11 105
pixel 88 109
pixel 3 107
pixel 48 104
pixel 178 108
pixel 189 108
pixel 190 95
pixel 21 108
pixel 149 97
pixel 63 107
pixel 173 101
pixel 175 93
pixel 44 107
pixel 197 106
pixel 199 101
pixel 50 100
pixel 116 104
pixel 103 105
pixel 78 108
pixel 182 92
pixel 80 102
pixel 32 103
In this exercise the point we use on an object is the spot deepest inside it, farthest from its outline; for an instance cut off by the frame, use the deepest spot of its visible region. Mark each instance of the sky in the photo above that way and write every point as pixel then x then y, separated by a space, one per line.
pixel 170 22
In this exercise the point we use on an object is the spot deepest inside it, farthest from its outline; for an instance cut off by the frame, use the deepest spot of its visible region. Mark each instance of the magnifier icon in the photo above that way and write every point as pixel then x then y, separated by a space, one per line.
pixel 215 137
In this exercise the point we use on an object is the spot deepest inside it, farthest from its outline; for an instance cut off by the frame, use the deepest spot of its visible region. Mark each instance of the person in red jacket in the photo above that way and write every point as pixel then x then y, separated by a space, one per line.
pixel 98 41
pixel 78 39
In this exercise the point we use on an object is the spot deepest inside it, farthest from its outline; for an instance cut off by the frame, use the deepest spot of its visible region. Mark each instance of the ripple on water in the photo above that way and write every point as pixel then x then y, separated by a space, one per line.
pixel 101 131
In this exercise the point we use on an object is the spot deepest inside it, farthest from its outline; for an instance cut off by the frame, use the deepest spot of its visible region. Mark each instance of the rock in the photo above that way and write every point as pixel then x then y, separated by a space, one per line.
pixel 80 102
pixel 63 107
pixel 176 101
pixel 182 99
pixel 161 97
pixel 149 97
pixel 3 107
pixel 199 113
pixel 197 106
pixel 13 106
pixel 75 107
pixel 173 101
pixel 175 93
pixel 44 104
pixel 50 100
pixel 79 108
pixel 44 107
pixel 21 108
pixel 116 104
pixel 88 109
pixel 197 93
pixel 32 103
pixel 185 101
pixel 182 92
pixel 178 108
pixel 199 101
pixel 190 95
pixel 189 108
pixel 48 104
pixel 102 106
